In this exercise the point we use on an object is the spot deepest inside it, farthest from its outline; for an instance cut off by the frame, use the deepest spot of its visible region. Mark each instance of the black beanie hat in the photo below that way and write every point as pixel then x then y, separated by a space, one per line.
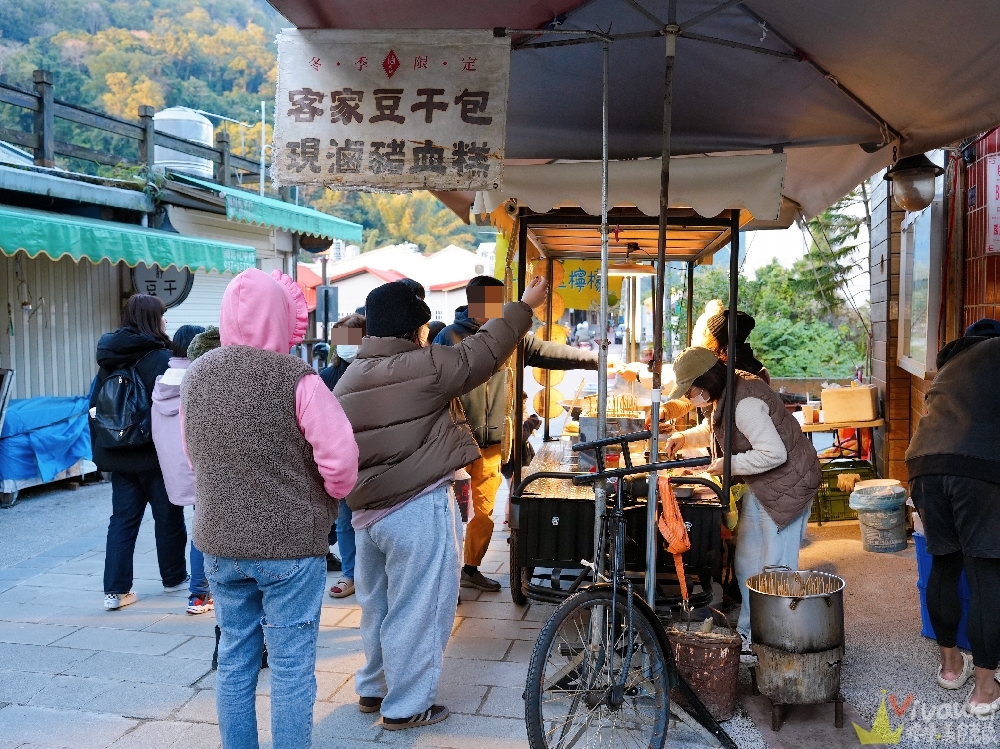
pixel 718 326
pixel 393 309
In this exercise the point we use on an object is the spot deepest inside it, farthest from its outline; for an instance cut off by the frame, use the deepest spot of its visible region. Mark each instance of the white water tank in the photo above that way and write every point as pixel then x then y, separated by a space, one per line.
pixel 187 124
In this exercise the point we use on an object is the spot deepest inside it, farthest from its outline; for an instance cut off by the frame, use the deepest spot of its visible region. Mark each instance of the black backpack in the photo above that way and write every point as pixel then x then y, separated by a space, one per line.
pixel 121 414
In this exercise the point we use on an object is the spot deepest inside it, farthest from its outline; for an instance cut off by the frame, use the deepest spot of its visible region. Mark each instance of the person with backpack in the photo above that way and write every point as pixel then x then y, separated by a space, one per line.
pixel 271 448
pixel 177 474
pixel 130 360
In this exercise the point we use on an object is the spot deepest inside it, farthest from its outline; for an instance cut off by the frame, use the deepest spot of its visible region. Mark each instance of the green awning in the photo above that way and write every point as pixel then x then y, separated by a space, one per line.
pixel 242 205
pixel 56 235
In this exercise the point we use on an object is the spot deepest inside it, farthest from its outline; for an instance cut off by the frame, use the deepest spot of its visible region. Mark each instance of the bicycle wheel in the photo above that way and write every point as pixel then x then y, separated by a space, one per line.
pixel 578 659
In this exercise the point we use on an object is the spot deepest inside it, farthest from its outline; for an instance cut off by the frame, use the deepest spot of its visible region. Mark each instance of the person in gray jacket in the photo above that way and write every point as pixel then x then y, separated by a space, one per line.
pixel 953 462
pixel 486 408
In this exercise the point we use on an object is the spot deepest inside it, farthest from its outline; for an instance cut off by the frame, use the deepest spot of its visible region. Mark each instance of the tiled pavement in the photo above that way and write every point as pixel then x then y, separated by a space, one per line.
pixel 74 675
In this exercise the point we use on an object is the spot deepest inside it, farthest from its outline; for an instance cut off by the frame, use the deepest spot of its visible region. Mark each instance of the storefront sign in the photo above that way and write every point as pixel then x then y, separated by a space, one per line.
pixel 172 285
pixel 391 110
pixel 993 204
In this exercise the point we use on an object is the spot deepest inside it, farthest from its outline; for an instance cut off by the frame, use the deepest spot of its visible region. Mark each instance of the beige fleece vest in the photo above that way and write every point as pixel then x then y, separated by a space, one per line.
pixel 259 493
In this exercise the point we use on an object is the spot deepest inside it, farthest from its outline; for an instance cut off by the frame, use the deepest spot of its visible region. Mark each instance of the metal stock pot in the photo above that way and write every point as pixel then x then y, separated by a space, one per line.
pixel 797 611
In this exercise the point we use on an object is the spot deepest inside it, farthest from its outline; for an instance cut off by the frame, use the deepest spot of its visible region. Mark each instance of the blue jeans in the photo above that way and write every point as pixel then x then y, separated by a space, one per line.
pixel 283 595
pixel 130 493
pixel 345 539
pixel 199 583
pixel 760 543
pixel 342 534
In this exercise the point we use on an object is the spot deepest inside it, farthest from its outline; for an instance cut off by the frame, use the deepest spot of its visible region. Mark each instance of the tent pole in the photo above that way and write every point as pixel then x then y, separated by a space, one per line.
pixel 690 302
pixel 734 290
pixel 670 37
pixel 522 271
pixel 600 494
pixel 549 322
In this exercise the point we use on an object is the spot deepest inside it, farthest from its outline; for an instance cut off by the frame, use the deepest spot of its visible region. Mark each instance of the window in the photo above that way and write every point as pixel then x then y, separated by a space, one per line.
pixel 921 257
pixel 439 315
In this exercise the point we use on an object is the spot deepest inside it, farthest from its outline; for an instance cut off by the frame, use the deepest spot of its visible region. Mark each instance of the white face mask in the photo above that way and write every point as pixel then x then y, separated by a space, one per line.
pixel 701 399
pixel 347 353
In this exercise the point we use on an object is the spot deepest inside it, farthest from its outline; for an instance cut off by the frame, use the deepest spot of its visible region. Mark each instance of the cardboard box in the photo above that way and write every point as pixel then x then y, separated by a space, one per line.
pixel 859 403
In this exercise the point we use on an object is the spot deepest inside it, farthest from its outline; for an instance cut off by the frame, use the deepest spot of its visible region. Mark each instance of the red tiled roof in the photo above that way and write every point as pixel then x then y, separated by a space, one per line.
pixel 385 275
pixel 450 286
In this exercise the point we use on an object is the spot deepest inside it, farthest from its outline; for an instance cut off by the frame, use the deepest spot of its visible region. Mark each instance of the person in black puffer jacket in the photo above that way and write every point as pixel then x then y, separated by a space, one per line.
pixel 953 463
pixel 136 479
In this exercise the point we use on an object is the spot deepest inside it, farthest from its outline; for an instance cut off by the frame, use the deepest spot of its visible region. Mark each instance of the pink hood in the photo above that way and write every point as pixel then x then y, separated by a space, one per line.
pixel 264 311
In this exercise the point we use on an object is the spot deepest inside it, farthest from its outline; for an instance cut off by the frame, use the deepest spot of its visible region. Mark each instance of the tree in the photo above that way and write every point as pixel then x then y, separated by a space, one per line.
pixel 124 97
pixel 396 218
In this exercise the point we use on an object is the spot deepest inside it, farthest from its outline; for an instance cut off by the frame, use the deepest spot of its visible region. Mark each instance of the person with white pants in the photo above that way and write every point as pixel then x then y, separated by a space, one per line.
pixel 770 453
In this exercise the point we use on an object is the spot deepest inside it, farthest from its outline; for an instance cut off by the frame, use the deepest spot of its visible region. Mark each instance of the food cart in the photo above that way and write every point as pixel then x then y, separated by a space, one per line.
pixel 552 521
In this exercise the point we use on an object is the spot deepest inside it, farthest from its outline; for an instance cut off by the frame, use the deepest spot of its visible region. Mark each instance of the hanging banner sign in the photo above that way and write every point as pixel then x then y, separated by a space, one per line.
pixel 993 204
pixel 391 110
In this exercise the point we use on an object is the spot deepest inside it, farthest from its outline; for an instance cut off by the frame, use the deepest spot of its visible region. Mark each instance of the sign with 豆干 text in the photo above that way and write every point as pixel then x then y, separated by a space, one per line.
pixel 391 110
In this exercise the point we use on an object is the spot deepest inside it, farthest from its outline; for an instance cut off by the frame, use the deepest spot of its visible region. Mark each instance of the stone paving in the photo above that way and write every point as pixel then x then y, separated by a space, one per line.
pixel 74 675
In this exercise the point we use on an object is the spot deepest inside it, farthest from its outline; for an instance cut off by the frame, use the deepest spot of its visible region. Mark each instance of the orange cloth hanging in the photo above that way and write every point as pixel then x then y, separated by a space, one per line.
pixel 673 530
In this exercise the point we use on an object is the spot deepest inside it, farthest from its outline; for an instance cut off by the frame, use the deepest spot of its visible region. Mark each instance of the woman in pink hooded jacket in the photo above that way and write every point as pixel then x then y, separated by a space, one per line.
pixel 177 474
pixel 270 447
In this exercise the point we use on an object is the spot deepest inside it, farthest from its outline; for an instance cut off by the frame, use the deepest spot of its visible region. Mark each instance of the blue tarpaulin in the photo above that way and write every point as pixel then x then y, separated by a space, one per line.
pixel 42 437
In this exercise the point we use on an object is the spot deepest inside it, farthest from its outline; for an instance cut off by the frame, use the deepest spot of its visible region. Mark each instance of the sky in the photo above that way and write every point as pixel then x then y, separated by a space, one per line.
pixel 786 246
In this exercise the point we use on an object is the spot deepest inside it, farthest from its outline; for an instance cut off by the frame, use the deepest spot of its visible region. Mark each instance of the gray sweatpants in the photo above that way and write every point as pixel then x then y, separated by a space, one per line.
pixel 406 580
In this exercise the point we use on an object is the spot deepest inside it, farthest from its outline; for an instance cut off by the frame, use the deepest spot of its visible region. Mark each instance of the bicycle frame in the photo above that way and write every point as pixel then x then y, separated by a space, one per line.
pixel 613 530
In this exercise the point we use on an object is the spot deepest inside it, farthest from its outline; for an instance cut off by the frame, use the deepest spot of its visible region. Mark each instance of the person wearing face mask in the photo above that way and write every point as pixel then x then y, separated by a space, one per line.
pixel 770 454
pixel 342 532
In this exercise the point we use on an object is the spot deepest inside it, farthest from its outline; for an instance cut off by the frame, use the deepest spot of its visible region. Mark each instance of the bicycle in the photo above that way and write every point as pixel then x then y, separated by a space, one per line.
pixel 601 670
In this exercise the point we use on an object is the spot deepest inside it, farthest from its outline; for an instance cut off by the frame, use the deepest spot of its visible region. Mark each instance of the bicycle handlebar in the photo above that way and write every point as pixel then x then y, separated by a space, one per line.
pixel 587 478
pixel 621 439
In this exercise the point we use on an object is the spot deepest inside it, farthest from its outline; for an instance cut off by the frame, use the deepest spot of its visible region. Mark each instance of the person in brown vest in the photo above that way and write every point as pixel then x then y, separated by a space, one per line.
pixel 270 447
pixel 402 397
pixel 770 454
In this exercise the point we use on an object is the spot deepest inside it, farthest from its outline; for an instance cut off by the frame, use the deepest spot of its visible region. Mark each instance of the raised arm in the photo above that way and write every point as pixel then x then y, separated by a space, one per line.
pixel 473 361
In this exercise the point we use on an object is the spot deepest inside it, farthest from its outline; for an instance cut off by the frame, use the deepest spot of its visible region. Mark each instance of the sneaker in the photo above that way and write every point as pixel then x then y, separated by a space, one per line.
pixel 114 601
pixel 333 563
pixel 479 580
pixel 342 588
pixel 433 714
pixel 200 604
pixel 369 704
pixel 182 585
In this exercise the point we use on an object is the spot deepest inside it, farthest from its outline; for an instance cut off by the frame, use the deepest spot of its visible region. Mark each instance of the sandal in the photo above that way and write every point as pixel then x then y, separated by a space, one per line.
pixel 982 710
pixel 342 588
pixel 967 671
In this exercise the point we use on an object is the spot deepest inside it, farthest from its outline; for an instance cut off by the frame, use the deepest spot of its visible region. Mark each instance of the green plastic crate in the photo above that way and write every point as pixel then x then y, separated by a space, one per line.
pixel 836 503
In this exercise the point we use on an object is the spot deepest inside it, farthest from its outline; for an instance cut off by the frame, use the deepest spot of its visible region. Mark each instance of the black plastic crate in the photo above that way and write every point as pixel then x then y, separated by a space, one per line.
pixel 834 502
pixel 555 532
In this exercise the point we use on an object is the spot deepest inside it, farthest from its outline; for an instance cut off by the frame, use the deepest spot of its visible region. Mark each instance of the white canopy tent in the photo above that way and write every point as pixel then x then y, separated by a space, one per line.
pixel 706 184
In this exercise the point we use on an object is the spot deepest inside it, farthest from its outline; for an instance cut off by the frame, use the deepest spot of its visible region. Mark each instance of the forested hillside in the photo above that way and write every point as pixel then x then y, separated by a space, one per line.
pixel 213 55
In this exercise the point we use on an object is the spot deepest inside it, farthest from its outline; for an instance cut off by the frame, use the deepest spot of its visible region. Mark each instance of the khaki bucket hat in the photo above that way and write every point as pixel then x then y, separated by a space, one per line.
pixel 689 365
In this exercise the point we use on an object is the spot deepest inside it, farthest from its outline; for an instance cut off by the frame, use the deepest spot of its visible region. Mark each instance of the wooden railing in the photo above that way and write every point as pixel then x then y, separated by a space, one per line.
pixel 41 140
